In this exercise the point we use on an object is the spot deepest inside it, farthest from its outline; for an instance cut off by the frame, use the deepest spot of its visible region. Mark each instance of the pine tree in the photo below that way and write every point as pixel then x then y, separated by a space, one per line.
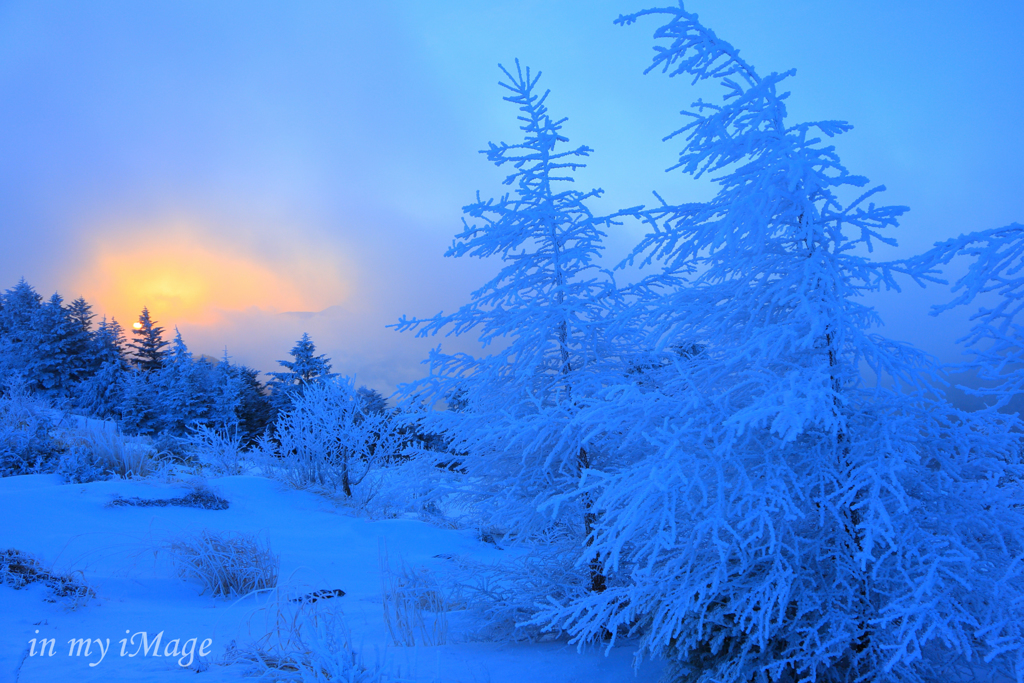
pixel 149 343
pixel 82 343
pixel 18 309
pixel 783 515
pixel 99 394
pixel 254 411
pixel 110 343
pixel 547 302
pixel 372 400
pixel 137 410
pixel 184 390
pixel 305 368
pixel 226 394
pixel 53 363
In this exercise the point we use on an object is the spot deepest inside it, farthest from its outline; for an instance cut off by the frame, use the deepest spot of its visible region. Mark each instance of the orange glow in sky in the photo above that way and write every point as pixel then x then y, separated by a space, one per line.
pixel 182 276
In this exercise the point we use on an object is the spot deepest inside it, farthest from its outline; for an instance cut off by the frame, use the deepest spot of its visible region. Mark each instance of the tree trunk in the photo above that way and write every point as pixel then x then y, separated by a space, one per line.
pixel 851 516
pixel 598 581
pixel 345 483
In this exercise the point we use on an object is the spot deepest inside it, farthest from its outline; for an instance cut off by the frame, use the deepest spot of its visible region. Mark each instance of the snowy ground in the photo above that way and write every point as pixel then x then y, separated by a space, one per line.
pixel 71 529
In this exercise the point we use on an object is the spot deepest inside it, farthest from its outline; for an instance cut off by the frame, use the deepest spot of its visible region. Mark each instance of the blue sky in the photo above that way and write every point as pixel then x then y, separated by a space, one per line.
pixel 251 171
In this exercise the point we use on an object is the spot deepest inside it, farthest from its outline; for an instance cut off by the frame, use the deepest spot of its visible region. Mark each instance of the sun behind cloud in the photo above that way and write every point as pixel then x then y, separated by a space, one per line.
pixel 184 276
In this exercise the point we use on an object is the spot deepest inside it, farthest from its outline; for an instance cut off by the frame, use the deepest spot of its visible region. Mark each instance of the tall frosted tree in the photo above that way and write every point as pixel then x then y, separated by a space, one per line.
pixel 783 514
pixel 148 347
pixel 545 309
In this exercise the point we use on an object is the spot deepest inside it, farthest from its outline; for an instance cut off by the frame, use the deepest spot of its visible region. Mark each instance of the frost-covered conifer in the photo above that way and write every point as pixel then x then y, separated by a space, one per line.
pixel 784 515
pixel 18 308
pixel 137 409
pixel 52 363
pixel 83 360
pixel 99 394
pixel 254 410
pixel 110 342
pixel 226 396
pixel 544 308
pixel 306 368
pixel 372 400
pixel 184 390
pixel 149 344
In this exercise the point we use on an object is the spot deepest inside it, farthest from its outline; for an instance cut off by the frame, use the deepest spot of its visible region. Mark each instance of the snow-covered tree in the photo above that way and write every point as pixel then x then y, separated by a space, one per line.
pixel 372 400
pixel 110 342
pixel 19 307
pixel 782 513
pixel 226 395
pixel 254 410
pixel 305 368
pixel 996 340
pixel 56 342
pixel 137 410
pixel 184 390
pixel 149 344
pixel 326 439
pixel 545 308
pixel 99 393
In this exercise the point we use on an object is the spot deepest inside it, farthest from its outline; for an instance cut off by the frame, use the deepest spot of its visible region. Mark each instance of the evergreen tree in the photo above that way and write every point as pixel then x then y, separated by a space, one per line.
pixel 548 302
pixel 149 343
pixel 184 390
pixel 254 411
pixel 781 514
pixel 53 363
pixel 100 393
pixel 82 342
pixel 18 309
pixel 226 392
pixel 137 410
pixel 110 343
pixel 305 368
pixel 372 401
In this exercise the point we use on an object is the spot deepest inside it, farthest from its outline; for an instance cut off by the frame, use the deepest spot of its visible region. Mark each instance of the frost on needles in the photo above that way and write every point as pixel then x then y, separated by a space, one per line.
pixel 794 501
pixel 548 309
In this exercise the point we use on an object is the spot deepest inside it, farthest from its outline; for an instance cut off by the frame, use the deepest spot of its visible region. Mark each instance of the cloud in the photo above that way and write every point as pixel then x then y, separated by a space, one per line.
pixel 187 272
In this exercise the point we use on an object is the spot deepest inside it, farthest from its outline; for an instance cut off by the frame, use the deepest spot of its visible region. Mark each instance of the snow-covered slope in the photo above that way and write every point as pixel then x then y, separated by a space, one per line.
pixel 116 551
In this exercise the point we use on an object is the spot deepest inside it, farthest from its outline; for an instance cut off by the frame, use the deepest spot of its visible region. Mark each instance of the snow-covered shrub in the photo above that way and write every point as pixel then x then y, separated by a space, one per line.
pixel 503 596
pixel 327 440
pixel 19 569
pixel 26 446
pixel 124 456
pixel 92 454
pixel 218 449
pixel 201 496
pixel 414 485
pixel 225 563
pixel 307 642
pixel 79 464
pixel 415 603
